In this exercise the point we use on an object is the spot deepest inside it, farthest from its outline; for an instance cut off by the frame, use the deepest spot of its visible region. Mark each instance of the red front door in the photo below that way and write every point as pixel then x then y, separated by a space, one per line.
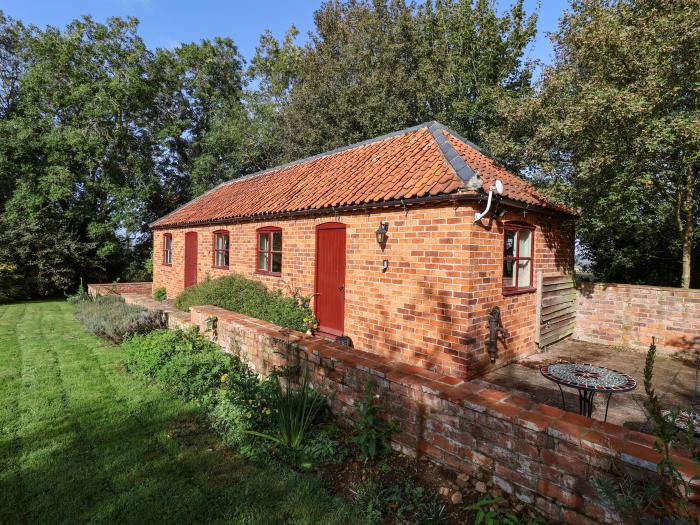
pixel 190 259
pixel 330 277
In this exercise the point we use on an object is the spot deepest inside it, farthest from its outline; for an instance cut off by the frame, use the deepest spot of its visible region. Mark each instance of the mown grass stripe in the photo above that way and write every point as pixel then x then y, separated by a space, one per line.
pixel 99 445
pixel 58 466
pixel 11 491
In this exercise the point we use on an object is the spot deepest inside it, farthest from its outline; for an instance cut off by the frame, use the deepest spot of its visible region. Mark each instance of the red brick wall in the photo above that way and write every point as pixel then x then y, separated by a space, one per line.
pixel 430 308
pixel 119 288
pixel 541 454
pixel 630 315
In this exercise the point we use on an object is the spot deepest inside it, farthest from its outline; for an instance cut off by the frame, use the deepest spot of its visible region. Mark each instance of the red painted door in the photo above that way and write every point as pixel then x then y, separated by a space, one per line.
pixel 330 277
pixel 190 259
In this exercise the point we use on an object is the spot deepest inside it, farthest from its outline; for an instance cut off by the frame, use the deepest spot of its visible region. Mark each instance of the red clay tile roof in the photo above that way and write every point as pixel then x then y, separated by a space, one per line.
pixel 489 170
pixel 419 162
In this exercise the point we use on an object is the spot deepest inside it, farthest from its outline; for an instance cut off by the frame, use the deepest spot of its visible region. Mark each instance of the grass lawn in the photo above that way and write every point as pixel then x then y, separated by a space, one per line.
pixel 81 440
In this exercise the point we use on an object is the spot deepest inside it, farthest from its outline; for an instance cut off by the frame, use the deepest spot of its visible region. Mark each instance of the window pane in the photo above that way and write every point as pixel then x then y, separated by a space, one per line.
pixel 508 274
pixel 524 273
pixel 221 241
pixel 509 248
pixel 276 241
pixel 262 261
pixel 264 243
pixel 525 243
pixel 276 262
pixel 221 258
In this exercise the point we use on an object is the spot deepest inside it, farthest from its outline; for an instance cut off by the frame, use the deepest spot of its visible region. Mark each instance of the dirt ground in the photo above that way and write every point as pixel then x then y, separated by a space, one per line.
pixel 674 380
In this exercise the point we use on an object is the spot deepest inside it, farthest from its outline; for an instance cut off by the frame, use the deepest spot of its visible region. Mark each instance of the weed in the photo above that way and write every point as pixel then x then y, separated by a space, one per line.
pixel 664 499
pixel 372 433
pixel 491 511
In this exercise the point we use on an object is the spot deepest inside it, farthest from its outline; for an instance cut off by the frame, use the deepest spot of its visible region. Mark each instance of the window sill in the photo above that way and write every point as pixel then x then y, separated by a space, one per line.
pixel 518 291
pixel 270 274
pixel 166 264
pixel 220 267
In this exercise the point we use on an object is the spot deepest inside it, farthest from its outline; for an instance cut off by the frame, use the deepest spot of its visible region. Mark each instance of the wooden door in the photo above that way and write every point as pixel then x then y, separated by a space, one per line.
pixel 190 259
pixel 330 278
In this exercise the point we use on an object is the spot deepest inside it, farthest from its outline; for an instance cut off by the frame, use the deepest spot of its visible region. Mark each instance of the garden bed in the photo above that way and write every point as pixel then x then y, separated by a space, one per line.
pixel 356 464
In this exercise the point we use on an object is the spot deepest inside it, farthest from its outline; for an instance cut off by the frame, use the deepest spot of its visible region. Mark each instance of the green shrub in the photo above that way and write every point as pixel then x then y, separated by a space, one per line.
pixel 244 404
pixel 112 318
pixel 160 294
pixel 193 376
pixel 241 408
pixel 149 353
pixel 10 282
pixel 190 365
pixel 248 297
pixel 80 295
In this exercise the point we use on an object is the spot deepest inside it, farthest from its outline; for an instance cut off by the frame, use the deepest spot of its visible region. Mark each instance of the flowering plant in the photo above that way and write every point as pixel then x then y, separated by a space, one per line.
pixel 311 324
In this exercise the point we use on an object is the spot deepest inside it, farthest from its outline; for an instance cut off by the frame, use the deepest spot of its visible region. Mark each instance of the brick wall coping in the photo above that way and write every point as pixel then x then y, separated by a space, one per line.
pixel 598 285
pixel 629 446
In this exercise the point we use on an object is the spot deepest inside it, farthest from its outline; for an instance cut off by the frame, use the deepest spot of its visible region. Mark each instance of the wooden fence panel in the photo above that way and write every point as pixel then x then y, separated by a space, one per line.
pixel 556 308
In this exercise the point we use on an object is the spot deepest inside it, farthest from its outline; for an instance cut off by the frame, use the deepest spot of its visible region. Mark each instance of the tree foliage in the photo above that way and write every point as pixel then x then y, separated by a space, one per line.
pixel 101 135
pixel 614 128
pixel 377 66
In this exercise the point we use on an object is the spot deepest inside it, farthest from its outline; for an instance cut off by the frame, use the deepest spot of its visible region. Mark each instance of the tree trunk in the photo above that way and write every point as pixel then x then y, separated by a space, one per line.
pixel 687 230
pixel 687 250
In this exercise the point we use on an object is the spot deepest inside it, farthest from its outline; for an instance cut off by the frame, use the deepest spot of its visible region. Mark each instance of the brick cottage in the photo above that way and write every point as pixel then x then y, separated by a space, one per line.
pixel 382 236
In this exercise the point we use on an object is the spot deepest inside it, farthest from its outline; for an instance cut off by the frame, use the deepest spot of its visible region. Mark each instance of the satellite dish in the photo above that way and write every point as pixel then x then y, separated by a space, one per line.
pixel 499 187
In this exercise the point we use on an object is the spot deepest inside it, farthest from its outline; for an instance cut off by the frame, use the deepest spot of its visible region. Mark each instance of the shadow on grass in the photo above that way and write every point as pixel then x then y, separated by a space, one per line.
pixel 184 475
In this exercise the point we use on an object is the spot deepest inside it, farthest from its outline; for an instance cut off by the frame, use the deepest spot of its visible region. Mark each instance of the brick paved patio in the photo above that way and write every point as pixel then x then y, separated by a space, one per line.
pixel 674 380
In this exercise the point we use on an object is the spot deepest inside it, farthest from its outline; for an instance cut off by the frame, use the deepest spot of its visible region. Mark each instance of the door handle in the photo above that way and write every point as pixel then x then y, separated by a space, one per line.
pixel 341 288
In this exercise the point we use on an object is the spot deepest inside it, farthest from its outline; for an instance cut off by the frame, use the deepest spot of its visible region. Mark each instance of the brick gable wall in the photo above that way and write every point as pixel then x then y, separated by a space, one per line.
pixel 429 308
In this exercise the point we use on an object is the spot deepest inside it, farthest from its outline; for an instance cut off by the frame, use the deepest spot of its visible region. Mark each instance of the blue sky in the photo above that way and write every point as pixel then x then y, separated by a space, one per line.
pixel 165 23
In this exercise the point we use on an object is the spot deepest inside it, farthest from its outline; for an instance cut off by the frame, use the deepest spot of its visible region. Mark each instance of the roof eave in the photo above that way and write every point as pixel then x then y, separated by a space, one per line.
pixel 432 199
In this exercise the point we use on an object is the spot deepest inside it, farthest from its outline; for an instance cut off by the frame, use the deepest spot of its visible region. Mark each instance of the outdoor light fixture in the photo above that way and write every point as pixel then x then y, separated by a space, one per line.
pixel 498 188
pixel 381 233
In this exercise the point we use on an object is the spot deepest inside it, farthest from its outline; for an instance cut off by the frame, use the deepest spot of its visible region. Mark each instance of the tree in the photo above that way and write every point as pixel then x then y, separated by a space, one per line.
pixel 102 136
pixel 614 128
pixel 372 67
pixel 207 122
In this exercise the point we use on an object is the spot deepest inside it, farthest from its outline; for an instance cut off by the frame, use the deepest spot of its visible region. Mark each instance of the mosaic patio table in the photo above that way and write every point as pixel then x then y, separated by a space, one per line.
pixel 682 419
pixel 589 380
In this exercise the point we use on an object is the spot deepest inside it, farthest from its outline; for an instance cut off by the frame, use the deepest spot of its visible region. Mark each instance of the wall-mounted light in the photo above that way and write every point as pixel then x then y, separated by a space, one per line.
pixel 381 233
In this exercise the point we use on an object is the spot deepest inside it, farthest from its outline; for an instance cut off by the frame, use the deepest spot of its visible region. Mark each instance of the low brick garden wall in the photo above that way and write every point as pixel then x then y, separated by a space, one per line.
pixel 119 288
pixel 630 315
pixel 541 454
